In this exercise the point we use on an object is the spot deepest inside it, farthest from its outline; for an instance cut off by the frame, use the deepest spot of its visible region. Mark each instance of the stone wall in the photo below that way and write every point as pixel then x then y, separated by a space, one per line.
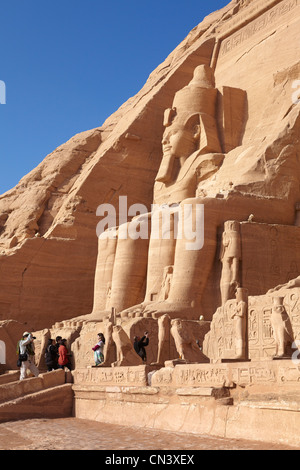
pixel 258 401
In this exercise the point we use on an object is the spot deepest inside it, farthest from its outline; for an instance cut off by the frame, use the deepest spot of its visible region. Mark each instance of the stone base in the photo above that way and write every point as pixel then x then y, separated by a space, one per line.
pixel 256 401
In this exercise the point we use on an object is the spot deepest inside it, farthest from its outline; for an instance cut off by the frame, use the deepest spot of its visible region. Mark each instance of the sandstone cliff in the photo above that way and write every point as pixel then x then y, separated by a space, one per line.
pixel 48 221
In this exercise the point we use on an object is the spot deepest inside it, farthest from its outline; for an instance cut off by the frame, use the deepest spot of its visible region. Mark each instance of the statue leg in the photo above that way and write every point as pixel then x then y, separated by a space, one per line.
pixel 130 269
pixel 191 269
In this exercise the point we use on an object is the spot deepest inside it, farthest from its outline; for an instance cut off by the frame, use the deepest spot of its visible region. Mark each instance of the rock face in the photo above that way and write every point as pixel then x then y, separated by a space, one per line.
pixel 205 261
pixel 216 126
pixel 230 148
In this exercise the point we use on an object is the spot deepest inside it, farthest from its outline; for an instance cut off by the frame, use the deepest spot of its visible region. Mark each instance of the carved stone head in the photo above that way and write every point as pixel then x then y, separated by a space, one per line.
pixel 183 122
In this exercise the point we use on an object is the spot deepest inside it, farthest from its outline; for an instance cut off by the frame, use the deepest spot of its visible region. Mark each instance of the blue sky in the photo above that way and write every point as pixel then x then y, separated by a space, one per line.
pixel 69 64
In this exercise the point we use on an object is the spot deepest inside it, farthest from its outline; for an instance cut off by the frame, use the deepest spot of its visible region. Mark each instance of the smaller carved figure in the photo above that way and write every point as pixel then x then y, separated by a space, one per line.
pixel 126 355
pixel 166 284
pixel 185 342
pixel 230 258
pixel 240 320
pixel 281 326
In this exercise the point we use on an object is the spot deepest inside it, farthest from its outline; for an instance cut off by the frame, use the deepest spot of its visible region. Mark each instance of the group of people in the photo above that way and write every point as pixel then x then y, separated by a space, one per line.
pixel 139 347
pixel 56 355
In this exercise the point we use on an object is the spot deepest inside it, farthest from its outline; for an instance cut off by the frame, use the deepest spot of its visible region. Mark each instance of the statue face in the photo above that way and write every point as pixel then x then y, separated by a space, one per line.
pixel 178 142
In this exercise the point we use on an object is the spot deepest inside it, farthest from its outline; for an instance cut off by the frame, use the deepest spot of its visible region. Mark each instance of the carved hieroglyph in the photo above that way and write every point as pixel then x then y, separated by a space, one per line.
pixel 271 328
pixel 227 338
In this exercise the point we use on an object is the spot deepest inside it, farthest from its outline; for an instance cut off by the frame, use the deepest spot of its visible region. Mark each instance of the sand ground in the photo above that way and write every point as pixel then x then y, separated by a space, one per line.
pixel 77 434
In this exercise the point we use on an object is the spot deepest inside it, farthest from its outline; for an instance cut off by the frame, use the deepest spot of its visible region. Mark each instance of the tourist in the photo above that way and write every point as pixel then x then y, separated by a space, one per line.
pixel 26 353
pixel 58 340
pixel 64 356
pixel 98 350
pixel 140 344
pixel 51 355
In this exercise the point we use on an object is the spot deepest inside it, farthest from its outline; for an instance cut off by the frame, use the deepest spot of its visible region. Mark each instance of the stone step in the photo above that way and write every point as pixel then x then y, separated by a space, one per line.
pixel 9 376
pixel 51 403
pixel 11 390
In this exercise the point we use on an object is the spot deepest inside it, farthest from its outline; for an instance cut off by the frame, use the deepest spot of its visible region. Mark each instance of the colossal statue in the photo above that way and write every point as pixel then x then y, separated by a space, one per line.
pixel 167 274
pixel 191 146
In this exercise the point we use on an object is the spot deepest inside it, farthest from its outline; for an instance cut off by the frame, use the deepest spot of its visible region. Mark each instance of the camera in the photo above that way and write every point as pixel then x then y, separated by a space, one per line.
pixel 33 337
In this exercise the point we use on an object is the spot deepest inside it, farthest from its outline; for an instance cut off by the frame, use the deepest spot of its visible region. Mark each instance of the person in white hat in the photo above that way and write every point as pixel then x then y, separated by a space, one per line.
pixel 26 355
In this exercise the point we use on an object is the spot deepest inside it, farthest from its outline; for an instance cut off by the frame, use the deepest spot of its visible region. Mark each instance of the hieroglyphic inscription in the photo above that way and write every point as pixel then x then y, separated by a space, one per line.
pixel 241 374
pixel 257 25
pixel 208 376
pixel 260 331
pixel 253 375
pixel 113 375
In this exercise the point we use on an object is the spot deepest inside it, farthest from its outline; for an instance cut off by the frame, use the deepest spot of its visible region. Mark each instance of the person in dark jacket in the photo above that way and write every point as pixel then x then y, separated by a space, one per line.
pixel 57 344
pixel 140 344
pixel 51 355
